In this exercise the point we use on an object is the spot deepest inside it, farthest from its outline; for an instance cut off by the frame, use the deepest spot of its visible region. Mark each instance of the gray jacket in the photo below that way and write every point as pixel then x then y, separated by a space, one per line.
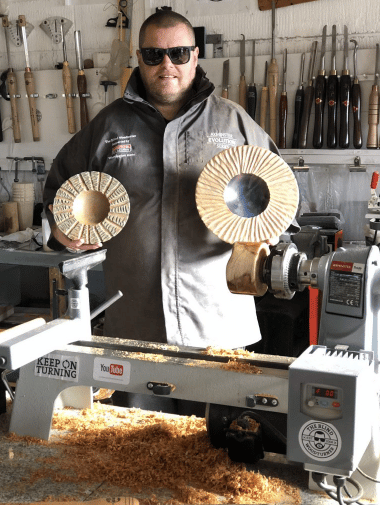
pixel 169 266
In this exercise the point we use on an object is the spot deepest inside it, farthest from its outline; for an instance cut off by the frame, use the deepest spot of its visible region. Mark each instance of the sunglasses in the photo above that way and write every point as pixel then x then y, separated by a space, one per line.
pixel 155 55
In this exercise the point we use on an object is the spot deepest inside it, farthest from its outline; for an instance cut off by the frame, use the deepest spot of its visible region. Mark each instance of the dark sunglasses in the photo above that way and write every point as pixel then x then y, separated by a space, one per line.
pixel 155 55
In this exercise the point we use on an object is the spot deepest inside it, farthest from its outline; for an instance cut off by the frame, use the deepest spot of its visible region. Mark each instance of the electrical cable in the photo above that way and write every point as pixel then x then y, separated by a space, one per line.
pixel 336 492
pixel 367 476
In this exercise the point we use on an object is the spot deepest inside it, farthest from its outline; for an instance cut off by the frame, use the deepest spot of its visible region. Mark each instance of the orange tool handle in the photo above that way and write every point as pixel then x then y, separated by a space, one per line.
pixel 31 91
pixel 374 180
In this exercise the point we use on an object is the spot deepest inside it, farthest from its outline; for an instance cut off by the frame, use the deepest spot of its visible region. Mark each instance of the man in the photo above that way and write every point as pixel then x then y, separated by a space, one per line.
pixel 169 266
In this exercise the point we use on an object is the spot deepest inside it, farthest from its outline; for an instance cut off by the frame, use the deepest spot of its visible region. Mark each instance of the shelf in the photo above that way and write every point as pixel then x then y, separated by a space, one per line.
pixel 350 157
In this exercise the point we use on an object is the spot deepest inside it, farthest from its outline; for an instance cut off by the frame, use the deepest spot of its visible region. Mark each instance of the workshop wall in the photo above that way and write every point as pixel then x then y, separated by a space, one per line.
pixel 296 27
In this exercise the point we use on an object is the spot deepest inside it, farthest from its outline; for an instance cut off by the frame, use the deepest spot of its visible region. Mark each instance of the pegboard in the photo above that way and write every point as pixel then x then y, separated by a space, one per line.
pixel 265 5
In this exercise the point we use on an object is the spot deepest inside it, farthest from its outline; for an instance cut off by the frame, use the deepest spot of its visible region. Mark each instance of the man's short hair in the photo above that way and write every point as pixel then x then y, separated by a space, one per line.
pixel 165 19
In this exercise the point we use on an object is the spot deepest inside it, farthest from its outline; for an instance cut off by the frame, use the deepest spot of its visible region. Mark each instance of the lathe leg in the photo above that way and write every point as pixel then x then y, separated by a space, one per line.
pixel 35 400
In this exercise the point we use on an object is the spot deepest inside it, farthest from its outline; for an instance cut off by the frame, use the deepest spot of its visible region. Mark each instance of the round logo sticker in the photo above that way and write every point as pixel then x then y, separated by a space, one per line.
pixel 320 441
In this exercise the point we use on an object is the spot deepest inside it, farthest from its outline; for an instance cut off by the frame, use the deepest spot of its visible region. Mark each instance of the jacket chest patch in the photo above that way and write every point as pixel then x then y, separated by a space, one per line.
pixel 121 147
pixel 222 140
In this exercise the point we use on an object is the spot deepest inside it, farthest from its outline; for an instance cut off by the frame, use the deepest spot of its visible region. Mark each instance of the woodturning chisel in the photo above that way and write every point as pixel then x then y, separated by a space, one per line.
pixel 81 80
pixel 283 112
pixel 332 97
pixel 344 97
pixel 29 82
pixel 320 96
pixel 298 106
pixel 242 84
pixel 356 102
pixel 309 98
pixel 252 91
pixel 373 108
pixel 264 100
pixel 273 83
pixel 67 86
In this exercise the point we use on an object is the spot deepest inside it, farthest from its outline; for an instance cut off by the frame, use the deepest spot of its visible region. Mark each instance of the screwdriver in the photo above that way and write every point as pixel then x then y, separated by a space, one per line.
pixel 332 97
pixel 356 102
pixel 309 96
pixel 344 97
pixel 298 106
pixel 373 108
pixel 283 112
pixel 320 96
pixel 273 82
pixel 264 100
pixel 252 91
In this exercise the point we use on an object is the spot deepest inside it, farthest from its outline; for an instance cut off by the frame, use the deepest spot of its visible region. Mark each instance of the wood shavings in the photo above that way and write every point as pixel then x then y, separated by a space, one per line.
pixel 233 365
pixel 149 451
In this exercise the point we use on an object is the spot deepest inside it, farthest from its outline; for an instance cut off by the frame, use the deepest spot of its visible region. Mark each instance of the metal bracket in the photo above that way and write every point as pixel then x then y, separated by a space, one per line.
pixel 301 167
pixel 357 166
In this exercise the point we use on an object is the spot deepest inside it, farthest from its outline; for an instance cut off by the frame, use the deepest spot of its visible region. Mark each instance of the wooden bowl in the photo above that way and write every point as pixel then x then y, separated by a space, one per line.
pixel 247 194
pixel 92 206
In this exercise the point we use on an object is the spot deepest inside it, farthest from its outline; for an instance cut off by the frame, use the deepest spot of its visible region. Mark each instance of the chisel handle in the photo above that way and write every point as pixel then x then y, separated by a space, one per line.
pixel 344 99
pixel 273 87
pixel 31 91
pixel 356 108
pixel 251 100
pixel 224 93
pixel 68 89
pixel 283 116
pixel 82 90
pixel 243 92
pixel 319 101
pixel 12 89
pixel 332 110
pixel 373 118
pixel 298 110
pixel 264 106
pixel 309 98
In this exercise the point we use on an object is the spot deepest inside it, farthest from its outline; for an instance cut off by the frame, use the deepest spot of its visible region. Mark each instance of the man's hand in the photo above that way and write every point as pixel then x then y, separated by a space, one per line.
pixel 72 245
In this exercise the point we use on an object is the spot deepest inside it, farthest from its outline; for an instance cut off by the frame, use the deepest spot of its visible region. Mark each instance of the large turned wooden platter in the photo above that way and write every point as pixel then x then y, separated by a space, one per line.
pixel 271 171
pixel 92 206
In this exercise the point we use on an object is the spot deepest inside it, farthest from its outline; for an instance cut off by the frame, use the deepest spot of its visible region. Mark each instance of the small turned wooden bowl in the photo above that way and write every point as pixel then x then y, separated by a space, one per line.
pixel 92 206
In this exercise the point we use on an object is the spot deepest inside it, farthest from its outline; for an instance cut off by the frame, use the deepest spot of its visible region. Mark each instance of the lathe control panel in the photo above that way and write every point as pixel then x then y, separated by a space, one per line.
pixel 321 401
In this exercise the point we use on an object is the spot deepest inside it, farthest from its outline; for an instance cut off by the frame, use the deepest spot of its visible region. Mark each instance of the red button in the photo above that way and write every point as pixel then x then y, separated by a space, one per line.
pixel 336 404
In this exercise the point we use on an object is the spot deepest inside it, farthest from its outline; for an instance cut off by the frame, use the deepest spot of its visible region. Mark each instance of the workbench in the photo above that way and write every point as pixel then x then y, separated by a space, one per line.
pixel 21 458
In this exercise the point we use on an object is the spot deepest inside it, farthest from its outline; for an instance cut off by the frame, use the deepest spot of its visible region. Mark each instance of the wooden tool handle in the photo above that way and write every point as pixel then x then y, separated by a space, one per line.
pixel 273 87
pixel 12 89
pixel 283 115
pixel 126 74
pixel 264 107
pixel 309 97
pixel 319 101
pixel 68 88
pixel 243 92
pixel 356 108
pixel 373 118
pixel 31 91
pixel 224 93
pixel 82 89
pixel 332 110
pixel 298 110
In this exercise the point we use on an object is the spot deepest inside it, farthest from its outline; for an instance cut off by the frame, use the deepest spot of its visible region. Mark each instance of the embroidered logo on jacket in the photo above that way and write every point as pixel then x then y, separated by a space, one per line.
pixel 222 140
pixel 120 146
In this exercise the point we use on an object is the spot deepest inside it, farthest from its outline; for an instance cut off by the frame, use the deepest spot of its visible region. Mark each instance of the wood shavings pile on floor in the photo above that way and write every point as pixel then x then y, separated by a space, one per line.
pixel 142 450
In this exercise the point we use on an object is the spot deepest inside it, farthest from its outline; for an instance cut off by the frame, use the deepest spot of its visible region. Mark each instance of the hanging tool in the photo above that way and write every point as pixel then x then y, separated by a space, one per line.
pixel 105 84
pixel 252 91
pixel 29 82
pixel 52 28
pixel 127 9
pixel 120 49
pixel 10 78
pixel 309 96
pixel 298 106
pixel 344 97
pixel 320 96
pixel 373 108
pixel 273 82
pixel 356 102
pixel 67 86
pixel 242 84
pixel 283 112
pixel 81 80
pixel 264 99
pixel 332 97
pixel 226 75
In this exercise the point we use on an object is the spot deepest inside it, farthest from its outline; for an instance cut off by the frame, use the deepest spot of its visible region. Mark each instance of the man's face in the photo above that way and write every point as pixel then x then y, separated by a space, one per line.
pixel 167 83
